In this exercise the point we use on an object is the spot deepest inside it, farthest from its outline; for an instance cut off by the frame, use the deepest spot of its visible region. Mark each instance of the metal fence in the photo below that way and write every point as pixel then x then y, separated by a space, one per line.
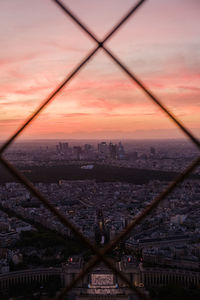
pixel 100 254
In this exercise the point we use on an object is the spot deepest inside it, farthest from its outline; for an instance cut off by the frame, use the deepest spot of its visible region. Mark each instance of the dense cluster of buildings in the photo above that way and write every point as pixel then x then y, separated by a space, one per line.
pixel 104 151
pixel 169 237
pixel 134 155
pixel 166 244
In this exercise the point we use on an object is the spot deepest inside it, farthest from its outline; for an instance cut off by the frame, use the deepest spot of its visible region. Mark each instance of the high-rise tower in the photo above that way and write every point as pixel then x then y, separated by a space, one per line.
pixel 101 230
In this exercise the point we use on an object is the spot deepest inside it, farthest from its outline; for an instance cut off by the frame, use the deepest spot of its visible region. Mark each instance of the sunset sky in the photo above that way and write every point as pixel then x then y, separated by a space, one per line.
pixel 40 45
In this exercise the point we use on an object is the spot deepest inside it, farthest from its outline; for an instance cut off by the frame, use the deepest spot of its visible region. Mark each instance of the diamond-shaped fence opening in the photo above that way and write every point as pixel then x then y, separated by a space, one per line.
pixel 100 254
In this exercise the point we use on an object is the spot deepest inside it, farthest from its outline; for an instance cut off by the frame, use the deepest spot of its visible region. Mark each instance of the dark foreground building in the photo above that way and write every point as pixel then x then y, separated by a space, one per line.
pixel 101 283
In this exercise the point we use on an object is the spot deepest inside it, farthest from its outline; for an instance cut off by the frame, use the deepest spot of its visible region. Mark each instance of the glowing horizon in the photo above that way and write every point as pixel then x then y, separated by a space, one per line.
pixel 40 46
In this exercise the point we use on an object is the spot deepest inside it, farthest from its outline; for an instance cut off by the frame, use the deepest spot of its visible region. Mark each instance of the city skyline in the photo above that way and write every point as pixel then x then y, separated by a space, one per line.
pixel 37 53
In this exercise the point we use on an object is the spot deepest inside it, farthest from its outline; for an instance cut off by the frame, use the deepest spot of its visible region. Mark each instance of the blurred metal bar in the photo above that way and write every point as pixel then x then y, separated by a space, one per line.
pixel 100 254
pixel 155 202
pixel 133 224
pixel 49 98
pixel 52 95
pixel 19 176
pixel 93 262
pixel 124 68
pixel 158 102
pixel 73 73
pixel 84 27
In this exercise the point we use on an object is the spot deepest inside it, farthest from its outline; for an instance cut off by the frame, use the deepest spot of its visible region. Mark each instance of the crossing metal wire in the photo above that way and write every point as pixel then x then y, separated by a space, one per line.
pixel 100 253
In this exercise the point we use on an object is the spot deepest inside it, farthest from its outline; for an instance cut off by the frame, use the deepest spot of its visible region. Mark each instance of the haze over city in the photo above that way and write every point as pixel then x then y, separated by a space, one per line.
pixel 100 189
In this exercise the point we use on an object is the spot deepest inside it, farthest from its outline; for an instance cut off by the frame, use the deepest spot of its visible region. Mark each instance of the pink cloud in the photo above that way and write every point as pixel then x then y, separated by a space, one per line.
pixel 190 88
pixel 17 58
